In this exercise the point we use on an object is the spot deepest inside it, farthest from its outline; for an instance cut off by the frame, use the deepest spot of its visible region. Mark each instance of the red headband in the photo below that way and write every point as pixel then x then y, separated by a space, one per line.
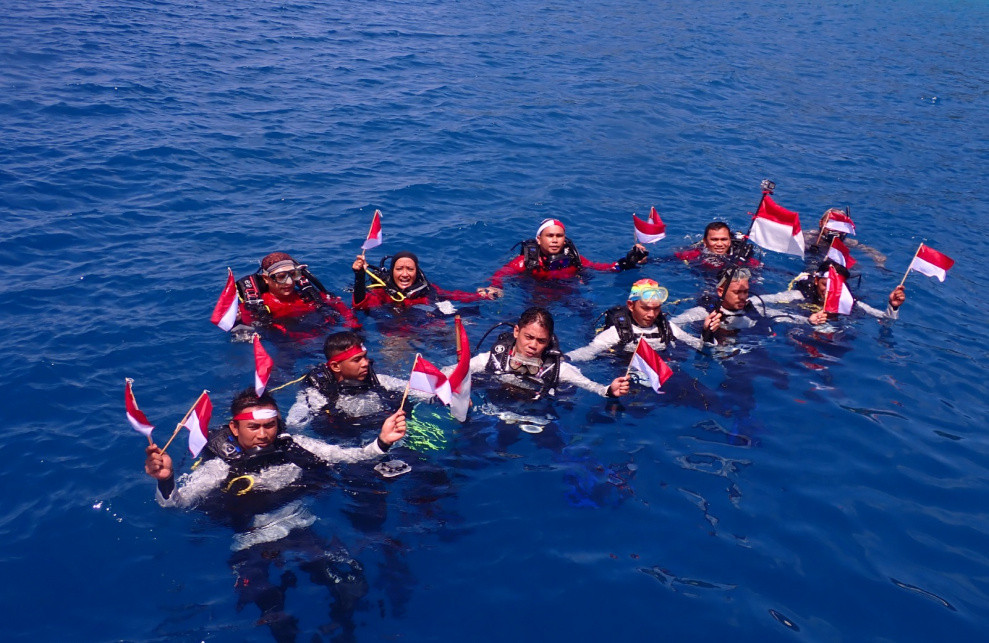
pixel 356 349
pixel 547 223
pixel 257 414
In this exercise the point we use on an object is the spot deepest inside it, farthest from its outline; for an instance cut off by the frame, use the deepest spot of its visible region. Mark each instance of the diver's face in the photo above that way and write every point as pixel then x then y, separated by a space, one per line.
pixel 404 272
pixel 717 241
pixel 551 240
pixel 821 284
pixel 531 340
pixel 644 313
pixel 282 283
pixel 251 434
pixel 352 368
pixel 736 296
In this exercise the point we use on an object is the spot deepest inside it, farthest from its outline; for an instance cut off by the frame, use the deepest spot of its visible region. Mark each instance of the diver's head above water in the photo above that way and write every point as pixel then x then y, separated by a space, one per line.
pixel 281 272
pixel 346 356
pixel 404 269
pixel 254 420
pixel 533 333
pixel 645 302
pixel 734 294
pixel 551 236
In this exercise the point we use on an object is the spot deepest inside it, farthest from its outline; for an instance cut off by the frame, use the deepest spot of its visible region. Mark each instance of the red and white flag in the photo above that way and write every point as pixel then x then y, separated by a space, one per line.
pixel 838 298
pixel 460 377
pixel 651 230
pixel 838 221
pixel 776 228
pixel 225 311
pixel 932 263
pixel 262 366
pixel 135 416
pixel 648 361
pixel 197 421
pixel 374 234
pixel 838 253
pixel 429 379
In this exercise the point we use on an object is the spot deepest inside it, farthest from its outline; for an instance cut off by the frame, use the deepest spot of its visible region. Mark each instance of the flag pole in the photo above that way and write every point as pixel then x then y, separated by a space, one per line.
pixel 409 383
pixel 178 427
pixel 456 320
pixel 130 380
pixel 907 273
pixel 629 369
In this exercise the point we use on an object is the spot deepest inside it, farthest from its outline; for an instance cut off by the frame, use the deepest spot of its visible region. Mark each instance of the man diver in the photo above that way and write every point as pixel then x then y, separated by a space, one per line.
pixel 736 310
pixel 552 255
pixel 345 384
pixel 252 475
pixel 642 316
pixel 283 290
pixel 528 359
pixel 718 247
pixel 813 289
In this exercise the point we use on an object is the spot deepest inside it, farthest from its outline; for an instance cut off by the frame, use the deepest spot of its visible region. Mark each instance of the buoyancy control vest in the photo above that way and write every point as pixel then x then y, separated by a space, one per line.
pixel 546 379
pixel 243 462
pixel 323 380
pixel 569 257
pixel 621 319
pixel 253 286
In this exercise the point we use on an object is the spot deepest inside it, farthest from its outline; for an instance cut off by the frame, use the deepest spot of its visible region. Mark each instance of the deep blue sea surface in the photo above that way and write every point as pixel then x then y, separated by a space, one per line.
pixel 147 146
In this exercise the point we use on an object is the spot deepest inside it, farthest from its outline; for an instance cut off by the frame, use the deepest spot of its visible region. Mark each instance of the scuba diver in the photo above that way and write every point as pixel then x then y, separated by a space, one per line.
pixel 403 285
pixel 529 360
pixel 837 224
pixel 346 385
pixel 552 255
pixel 735 310
pixel 813 287
pixel 719 248
pixel 283 290
pixel 641 316
pixel 252 475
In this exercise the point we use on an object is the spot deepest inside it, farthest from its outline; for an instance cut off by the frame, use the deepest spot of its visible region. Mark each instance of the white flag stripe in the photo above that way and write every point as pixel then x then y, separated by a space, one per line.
pixel 775 236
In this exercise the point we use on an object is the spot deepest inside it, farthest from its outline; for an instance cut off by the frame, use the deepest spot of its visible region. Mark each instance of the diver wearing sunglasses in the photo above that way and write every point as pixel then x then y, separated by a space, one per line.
pixel 284 289
pixel 641 316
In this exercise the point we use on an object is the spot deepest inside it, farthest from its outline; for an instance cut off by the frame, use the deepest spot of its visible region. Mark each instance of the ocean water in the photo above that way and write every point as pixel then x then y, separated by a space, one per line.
pixel 146 147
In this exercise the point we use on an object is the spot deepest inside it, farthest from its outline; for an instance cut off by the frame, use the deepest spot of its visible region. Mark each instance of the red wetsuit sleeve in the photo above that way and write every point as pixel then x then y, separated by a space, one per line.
pixel 514 267
pixel 457 295
pixel 375 298
pixel 688 255
pixel 594 265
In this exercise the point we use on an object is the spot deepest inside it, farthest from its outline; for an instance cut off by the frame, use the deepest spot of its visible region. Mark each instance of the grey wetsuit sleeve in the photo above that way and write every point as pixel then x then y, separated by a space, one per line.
pixel 608 338
pixel 194 486
pixel 331 453
pixel 889 313
pixel 308 403
pixel 681 335
pixel 571 375
pixel 785 297
pixel 695 314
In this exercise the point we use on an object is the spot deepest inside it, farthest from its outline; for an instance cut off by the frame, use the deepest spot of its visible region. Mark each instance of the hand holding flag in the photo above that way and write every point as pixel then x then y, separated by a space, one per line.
pixel 651 230
pixel 262 366
pixel 648 361
pixel 136 418
pixel 225 311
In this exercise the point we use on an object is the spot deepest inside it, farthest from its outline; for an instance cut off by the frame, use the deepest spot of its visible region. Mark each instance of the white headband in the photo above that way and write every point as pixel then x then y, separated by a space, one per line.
pixel 549 223
pixel 257 414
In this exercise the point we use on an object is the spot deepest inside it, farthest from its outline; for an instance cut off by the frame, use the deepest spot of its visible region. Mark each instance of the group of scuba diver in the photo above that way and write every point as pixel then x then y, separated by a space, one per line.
pixel 254 452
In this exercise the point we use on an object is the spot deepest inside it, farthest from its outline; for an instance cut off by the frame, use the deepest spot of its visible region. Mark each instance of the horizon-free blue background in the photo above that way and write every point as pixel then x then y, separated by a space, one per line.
pixel 146 147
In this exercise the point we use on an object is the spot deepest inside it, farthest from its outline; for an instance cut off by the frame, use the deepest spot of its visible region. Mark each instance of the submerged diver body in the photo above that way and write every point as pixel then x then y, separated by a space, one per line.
pixel 552 255
pixel 283 291
pixel 253 476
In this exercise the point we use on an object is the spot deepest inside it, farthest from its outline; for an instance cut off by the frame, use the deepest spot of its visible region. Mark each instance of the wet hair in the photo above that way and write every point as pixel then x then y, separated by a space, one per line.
pixel 716 225
pixel 404 254
pixel 274 258
pixel 537 315
pixel 248 398
pixel 736 274
pixel 339 342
